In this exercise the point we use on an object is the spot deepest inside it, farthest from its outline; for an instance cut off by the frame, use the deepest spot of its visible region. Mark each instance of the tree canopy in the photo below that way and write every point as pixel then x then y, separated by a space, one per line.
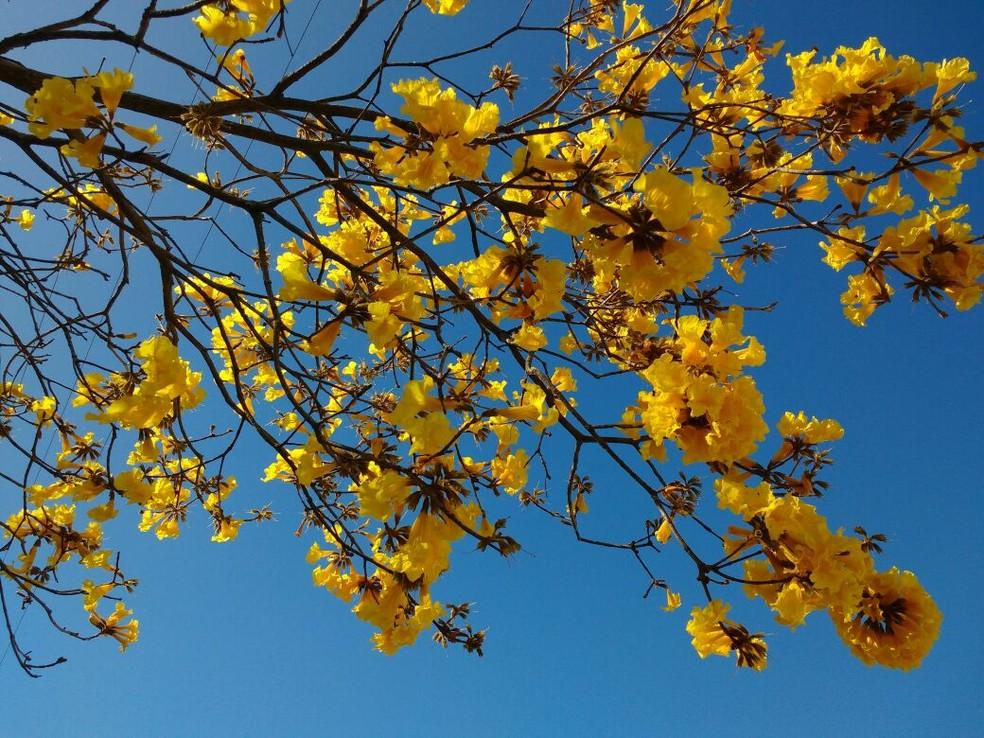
pixel 420 274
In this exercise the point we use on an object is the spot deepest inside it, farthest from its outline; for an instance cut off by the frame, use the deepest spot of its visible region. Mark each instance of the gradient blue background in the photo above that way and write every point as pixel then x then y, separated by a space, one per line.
pixel 236 641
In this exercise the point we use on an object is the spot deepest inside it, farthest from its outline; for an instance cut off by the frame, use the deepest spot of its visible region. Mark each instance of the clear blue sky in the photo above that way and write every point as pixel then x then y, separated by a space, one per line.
pixel 236 641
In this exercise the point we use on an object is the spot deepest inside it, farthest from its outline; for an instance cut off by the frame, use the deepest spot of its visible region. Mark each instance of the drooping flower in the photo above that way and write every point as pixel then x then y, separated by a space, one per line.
pixel 895 623
pixel 714 635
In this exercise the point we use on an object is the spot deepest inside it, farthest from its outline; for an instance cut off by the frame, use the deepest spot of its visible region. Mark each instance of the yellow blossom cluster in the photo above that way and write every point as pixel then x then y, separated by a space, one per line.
pixel 885 617
pixel 934 249
pixel 143 402
pixel 400 613
pixel 70 106
pixel 861 87
pixel 632 71
pixel 700 399
pixel 237 20
pixel 444 143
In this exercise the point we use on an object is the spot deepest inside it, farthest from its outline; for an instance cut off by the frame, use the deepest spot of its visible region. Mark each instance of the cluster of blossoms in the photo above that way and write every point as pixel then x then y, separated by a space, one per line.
pixel 228 22
pixel 70 106
pixel 46 531
pixel 700 399
pixel 885 617
pixel 410 381
pixel 443 144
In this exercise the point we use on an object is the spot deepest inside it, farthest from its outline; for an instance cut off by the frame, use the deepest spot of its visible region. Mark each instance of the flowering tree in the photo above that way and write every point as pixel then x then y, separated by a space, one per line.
pixel 414 288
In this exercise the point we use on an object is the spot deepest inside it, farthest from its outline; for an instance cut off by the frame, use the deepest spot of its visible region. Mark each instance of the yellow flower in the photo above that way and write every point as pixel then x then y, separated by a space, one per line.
pixel 441 113
pixel 668 197
pixel 895 623
pixel 416 398
pixel 381 493
pixel 321 342
pixel 705 627
pixel 111 86
pixel 427 552
pixel 25 220
pixel 633 70
pixel 450 214
pixel 226 529
pixel 93 593
pixel 133 486
pixel 148 135
pixel 713 635
pixel 510 471
pixel 951 73
pixel 407 627
pixel 44 409
pixel 630 142
pixel 384 325
pixel 733 268
pixel 813 430
pixel 260 10
pixel 853 186
pixel 104 512
pixel 87 151
pixel 864 293
pixel 840 252
pixel 297 284
pixel 125 634
pixel 445 7
pixel 734 495
pixel 664 531
pixel 569 217
pixel 567 343
pixel 430 434
pixel 563 379
pixel 940 184
pixel 59 103
pixel 888 198
pixel 223 28
pixel 307 465
pixel 529 337
pixel 791 604
pixel 90 198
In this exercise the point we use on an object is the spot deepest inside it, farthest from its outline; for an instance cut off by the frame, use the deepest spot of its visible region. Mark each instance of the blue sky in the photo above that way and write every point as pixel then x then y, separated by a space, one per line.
pixel 236 641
